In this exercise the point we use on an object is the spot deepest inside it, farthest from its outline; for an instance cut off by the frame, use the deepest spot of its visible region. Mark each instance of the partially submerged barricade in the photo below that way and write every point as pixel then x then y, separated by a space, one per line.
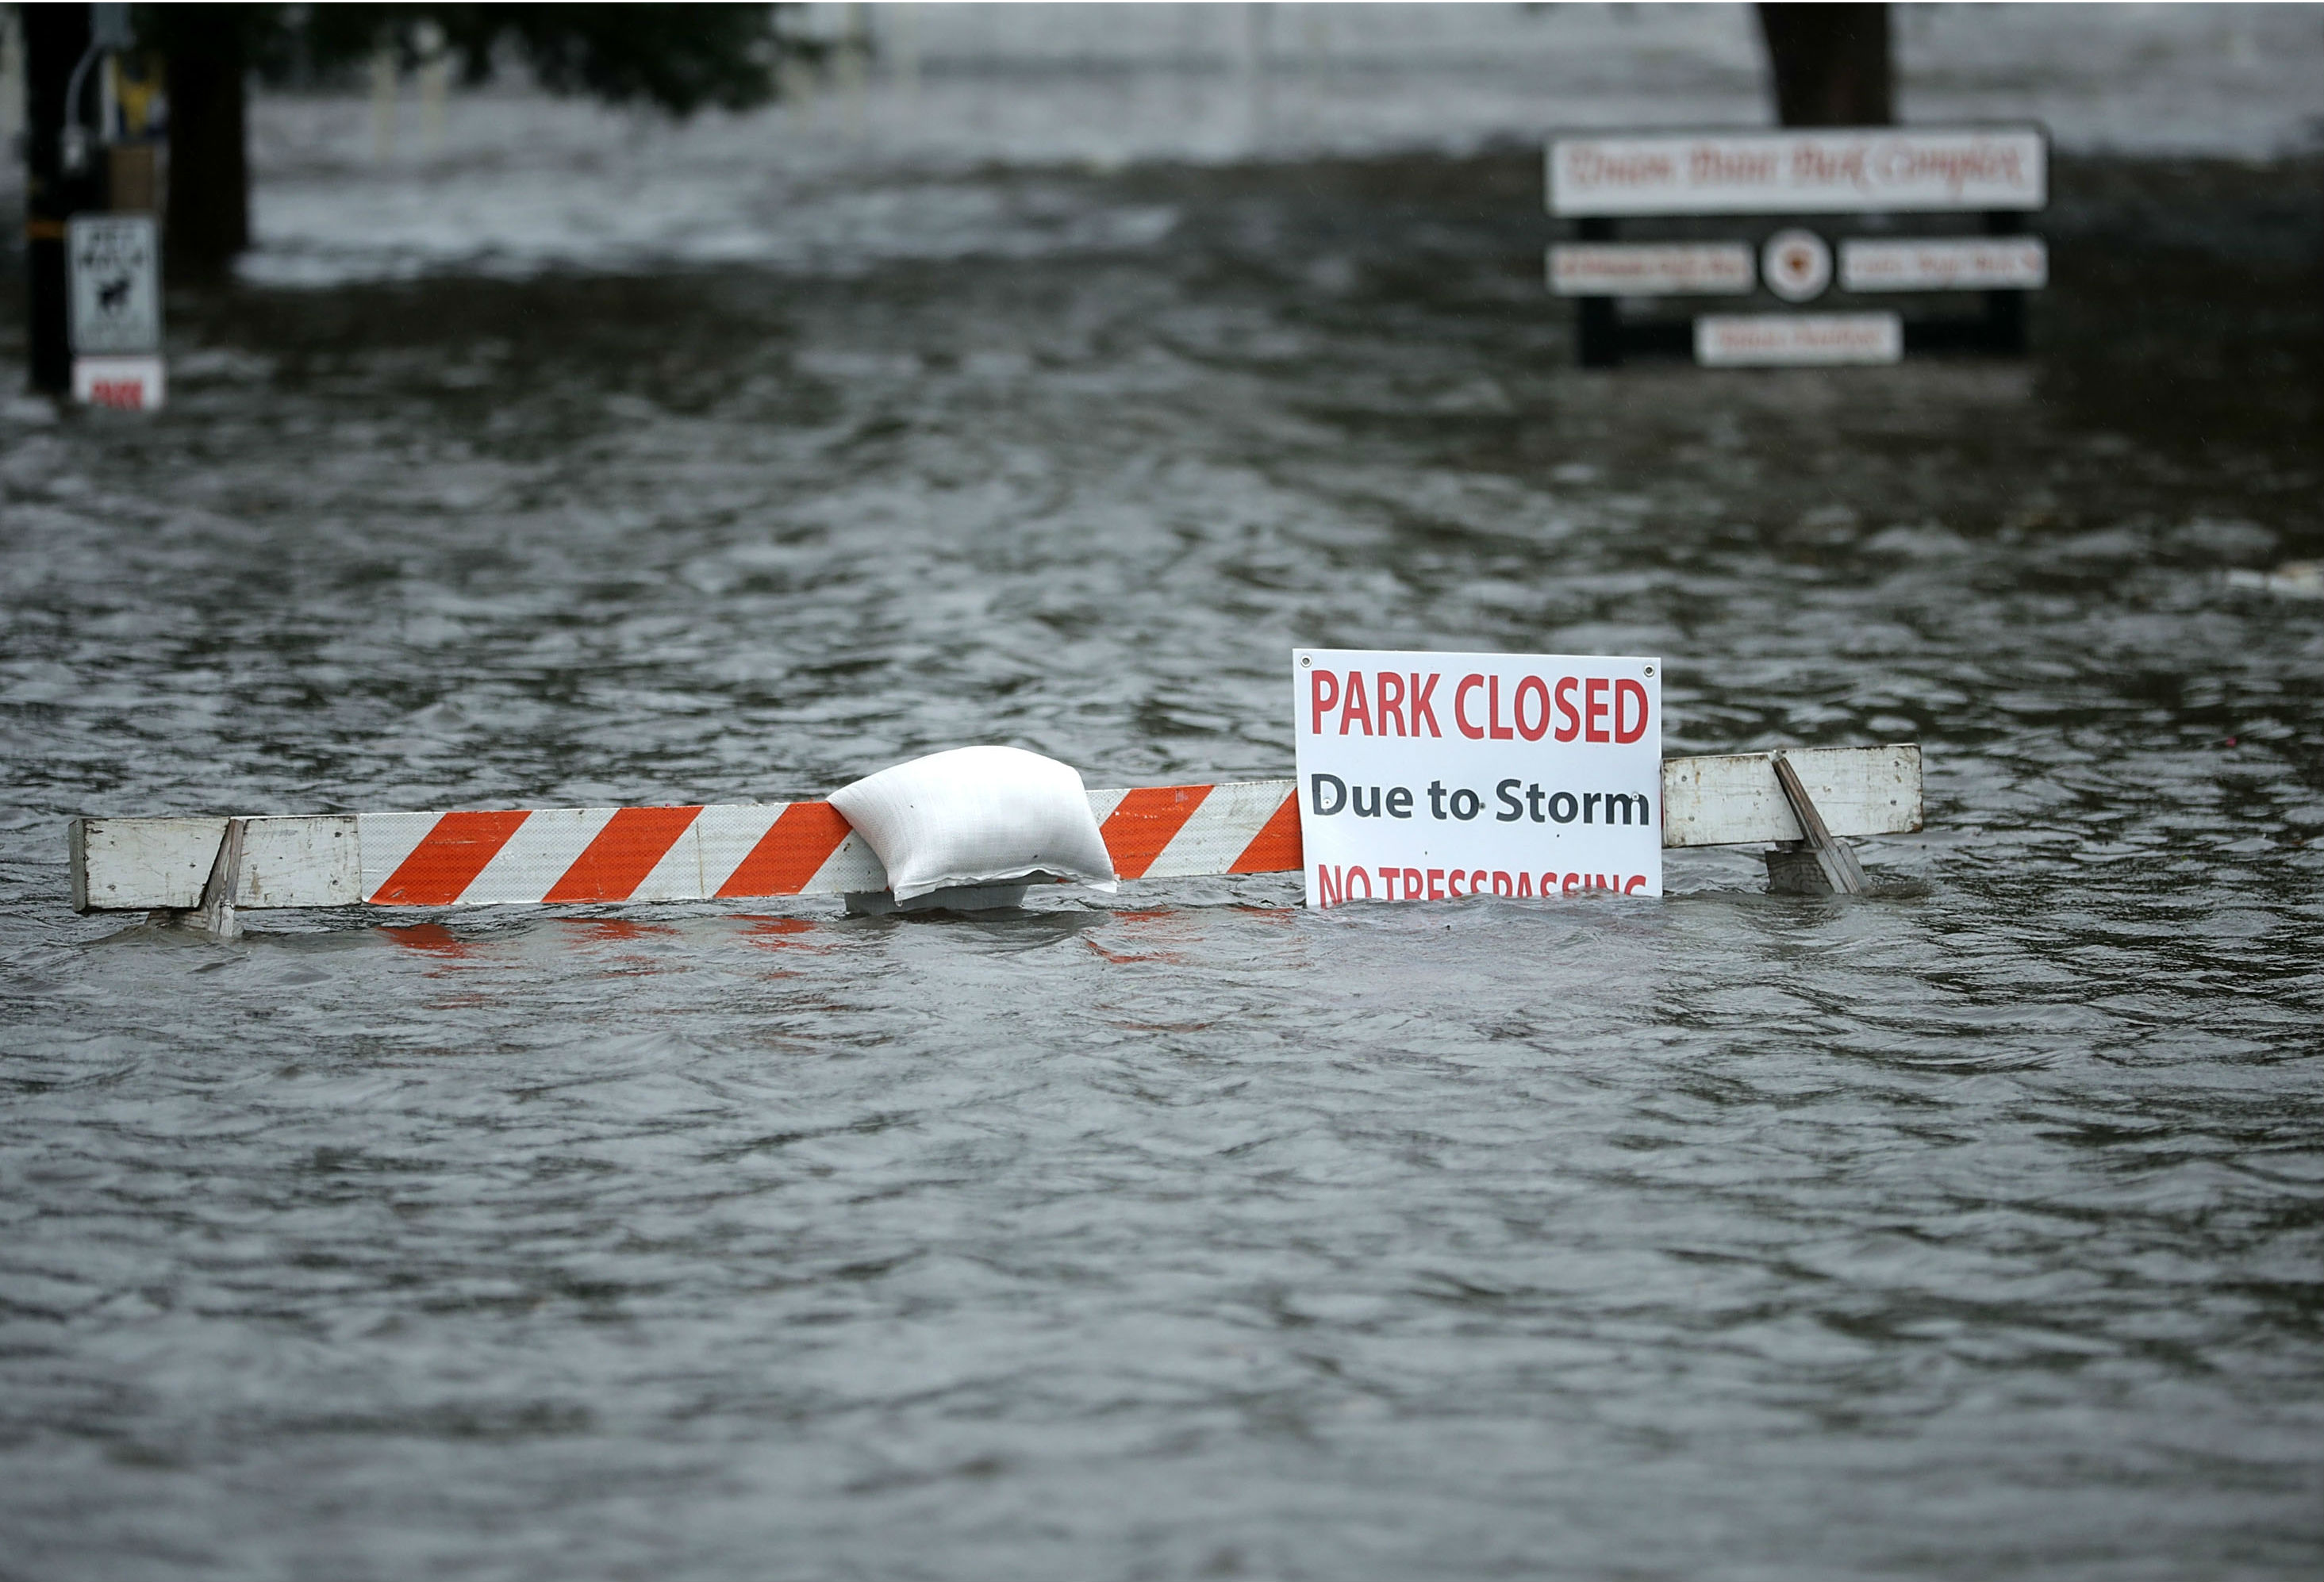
pixel 1682 186
pixel 210 869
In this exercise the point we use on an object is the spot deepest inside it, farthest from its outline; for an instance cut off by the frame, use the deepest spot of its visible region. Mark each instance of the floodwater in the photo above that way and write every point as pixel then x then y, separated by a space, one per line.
pixel 1971 1230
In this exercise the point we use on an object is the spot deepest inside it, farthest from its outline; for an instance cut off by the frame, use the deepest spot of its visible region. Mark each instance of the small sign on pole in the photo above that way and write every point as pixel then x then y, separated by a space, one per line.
pixel 114 308
pixel 1424 776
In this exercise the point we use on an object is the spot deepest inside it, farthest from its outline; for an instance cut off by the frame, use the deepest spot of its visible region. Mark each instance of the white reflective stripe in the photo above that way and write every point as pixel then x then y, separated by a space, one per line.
pixel 1651 269
pixel 852 869
pixel 536 857
pixel 387 839
pixel 1227 823
pixel 130 864
pixel 678 876
pixel 1103 802
pixel 723 836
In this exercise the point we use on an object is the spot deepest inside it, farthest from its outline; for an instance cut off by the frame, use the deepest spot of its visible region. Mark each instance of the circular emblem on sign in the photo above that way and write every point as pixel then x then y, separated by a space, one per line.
pixel 1796 265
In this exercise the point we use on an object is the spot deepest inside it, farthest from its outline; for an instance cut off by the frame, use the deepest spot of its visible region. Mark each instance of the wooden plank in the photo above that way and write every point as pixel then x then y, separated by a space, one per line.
pixel 135 864
pixel 295 861
pixel 1834 859
pixel 1734 800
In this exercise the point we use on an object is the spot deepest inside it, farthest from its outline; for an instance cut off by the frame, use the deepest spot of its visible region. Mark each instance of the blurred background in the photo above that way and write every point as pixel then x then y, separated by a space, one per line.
pixel 625 405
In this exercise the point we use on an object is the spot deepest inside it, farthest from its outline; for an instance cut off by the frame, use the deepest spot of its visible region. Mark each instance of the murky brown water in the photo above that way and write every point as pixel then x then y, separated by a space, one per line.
pixel 1971 1233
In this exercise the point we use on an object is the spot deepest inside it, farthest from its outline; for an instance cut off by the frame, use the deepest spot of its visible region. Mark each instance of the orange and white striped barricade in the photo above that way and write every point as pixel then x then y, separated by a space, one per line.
pixel 219 865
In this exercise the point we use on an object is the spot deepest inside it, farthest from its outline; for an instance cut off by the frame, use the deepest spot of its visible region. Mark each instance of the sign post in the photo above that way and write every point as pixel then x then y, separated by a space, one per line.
pixel 113 295
pixel 1426 777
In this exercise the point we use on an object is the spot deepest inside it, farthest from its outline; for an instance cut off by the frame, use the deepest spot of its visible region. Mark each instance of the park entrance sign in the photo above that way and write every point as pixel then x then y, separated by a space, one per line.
pixel 1423 777
pixel 1906 186
pixel 1884 169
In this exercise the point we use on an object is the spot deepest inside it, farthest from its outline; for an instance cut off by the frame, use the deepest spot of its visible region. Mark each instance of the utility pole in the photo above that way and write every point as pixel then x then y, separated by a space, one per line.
pixel 56 41
pixel 1831 63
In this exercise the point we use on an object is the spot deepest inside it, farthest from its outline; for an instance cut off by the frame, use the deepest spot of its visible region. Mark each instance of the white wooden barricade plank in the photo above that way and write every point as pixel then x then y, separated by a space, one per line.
pixel 540 854
pixel 137 864
pixel 723 836
pixel 852 869
pixel 133 864
pixel 1220 829
pixel 300 862
pixel 1732 801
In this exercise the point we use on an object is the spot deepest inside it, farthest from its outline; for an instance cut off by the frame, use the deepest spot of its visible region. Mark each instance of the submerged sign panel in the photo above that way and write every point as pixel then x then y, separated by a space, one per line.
pixel 1423 777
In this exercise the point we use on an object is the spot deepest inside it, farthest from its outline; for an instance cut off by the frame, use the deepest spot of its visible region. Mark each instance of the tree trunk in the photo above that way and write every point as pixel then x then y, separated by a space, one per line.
pixel 54 39
pixel 1831 64
pixel 209 171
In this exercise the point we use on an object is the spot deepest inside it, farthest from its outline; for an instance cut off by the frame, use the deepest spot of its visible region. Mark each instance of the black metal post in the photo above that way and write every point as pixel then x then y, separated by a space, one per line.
pixel 55 39
pixel 1597 327
pixel 2004 311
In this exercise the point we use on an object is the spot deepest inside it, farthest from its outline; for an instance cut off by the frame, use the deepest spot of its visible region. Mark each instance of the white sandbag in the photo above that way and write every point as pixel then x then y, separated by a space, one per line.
pixel 977 815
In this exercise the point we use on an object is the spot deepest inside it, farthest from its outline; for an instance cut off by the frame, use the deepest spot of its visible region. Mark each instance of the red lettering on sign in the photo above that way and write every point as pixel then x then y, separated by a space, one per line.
pixel 1586 165
pixel 1592 711
pixel 1323 692
pixel 1355 707
pixel 1329 889
pixel 1435 883
pixel 1531 685
pixel 1572 726
pixel 1390 690
pixel 1421 709
pixel 1502 886
pixel 1388 880
pixel 1460 707
pixel 1499 731
pixel 1627 688
pixel 1452 882
pixel 1412 884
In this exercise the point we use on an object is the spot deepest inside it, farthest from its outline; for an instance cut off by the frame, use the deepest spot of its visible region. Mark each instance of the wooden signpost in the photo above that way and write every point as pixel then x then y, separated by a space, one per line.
pixel 1880 180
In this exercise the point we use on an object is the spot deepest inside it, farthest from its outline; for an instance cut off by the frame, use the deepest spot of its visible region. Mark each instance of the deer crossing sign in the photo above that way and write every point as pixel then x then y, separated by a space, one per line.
pixel 1427 777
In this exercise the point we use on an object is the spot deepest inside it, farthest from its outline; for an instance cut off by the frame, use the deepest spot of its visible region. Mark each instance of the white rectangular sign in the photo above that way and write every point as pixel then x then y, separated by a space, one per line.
pixel 128 384
pixel 114 303
pixel 1424 776
pixel 1651 269
pixel 1945 263
pixel 1769 340
pixel 1843 170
